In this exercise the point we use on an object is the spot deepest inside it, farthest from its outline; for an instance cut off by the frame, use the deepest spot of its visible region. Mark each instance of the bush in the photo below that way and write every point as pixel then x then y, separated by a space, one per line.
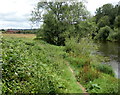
pixel 83 46
pixel 103 33
pixel 77 62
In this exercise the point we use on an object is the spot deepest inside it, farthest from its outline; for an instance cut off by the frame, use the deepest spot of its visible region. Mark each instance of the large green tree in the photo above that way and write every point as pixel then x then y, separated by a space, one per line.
pixel 60 19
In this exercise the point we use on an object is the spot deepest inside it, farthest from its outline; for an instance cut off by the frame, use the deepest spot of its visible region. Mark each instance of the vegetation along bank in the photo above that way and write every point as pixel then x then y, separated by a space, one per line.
pixel 62 56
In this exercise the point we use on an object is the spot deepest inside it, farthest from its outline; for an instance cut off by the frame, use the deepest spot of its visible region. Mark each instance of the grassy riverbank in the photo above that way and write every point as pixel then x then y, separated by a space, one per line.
pixel 32 66
pixel 94 76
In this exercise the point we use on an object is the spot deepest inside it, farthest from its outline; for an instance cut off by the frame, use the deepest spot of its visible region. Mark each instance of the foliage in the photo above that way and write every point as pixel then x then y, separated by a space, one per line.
pixel 115 36
pixel 30 67
pixel 52 34
pixel 108 15
pixel 26 61
pixel 87 74
pixel 85 28
pixel 117 21
pixel 104 68
pixel 105 10
pixel 103 33
pixel 61 19
pixel 94 76
pixel 104 84
pixel 78 47
pixel 103 21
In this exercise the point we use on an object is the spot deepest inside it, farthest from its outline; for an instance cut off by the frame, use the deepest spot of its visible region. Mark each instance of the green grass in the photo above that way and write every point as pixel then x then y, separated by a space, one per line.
pixel 104 84
pixel 104 68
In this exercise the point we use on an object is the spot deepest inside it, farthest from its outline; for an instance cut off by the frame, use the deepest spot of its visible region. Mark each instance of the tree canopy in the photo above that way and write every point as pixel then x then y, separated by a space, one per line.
pixel 106 16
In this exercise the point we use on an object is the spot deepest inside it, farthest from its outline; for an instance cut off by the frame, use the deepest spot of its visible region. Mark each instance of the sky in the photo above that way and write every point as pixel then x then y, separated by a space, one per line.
pixel 15 14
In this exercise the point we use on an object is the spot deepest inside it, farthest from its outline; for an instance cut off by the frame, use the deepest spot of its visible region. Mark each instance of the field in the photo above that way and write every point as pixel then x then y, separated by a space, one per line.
pixel 20 35
pixel 34 66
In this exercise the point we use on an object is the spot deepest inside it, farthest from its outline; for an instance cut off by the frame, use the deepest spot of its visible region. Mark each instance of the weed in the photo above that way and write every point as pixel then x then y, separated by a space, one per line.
pixel 87 74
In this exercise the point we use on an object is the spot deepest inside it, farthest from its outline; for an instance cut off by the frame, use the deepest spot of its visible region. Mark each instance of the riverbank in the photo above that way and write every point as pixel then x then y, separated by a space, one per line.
pixel 96 77
pixel 28 61
pixel 112 51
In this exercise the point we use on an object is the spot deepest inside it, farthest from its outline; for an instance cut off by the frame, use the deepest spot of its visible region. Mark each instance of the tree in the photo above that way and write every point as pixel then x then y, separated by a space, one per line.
pixel 59 19
pixel 105 10
pixel 103 33
pixel 117 22
pixel 103 21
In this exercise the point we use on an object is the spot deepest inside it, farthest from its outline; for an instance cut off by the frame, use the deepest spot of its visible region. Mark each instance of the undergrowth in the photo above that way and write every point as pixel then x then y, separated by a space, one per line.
pixel 87 65
pixel 35 67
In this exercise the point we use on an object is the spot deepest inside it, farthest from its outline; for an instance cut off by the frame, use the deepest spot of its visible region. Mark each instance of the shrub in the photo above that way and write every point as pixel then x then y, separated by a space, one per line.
pixel 83 46
pixel 78 62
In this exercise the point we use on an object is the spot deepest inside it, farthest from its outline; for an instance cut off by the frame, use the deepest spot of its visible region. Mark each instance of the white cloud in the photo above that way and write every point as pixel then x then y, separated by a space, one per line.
pixel 93 4
pixel 16 13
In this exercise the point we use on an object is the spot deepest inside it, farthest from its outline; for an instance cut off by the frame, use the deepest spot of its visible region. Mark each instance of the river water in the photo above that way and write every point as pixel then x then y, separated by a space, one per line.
pixel 111 50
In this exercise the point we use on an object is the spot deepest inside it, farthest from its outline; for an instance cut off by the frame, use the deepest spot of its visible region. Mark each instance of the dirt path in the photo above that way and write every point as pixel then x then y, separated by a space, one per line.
pixel 83 89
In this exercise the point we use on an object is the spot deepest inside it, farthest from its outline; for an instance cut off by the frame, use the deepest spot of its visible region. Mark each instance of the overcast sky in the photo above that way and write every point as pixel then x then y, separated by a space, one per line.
pixel 16 13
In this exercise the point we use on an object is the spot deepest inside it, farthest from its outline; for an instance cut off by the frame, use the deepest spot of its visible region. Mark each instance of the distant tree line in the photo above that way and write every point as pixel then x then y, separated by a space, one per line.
pixel 2 29
pixel 20 31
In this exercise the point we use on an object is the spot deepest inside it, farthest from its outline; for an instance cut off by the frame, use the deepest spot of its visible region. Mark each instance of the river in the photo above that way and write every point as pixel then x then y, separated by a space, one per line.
pixel 111 50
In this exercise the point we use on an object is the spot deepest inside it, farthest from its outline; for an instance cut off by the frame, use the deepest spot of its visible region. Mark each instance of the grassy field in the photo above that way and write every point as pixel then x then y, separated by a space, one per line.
pixel 20 35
